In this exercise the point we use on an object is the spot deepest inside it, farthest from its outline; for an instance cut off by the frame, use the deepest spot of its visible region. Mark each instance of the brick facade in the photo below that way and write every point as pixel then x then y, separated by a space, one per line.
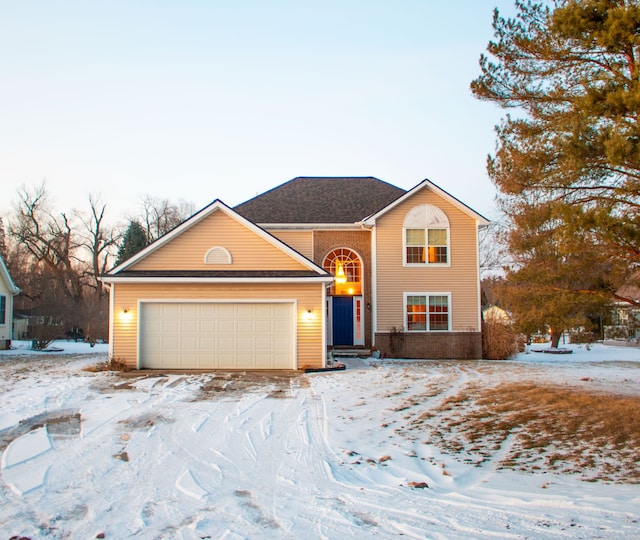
pixel 432 345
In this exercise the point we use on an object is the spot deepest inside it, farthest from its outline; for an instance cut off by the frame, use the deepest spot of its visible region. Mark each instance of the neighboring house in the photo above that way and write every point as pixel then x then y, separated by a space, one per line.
pixel 496 314
pixel 8 290
pixel 625 316
pixel 311 264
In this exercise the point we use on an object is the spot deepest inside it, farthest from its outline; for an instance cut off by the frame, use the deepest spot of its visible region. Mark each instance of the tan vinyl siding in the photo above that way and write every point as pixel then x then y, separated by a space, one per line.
pixel 301 241
pixel 308 296
pixel 460 278
pixel 248 250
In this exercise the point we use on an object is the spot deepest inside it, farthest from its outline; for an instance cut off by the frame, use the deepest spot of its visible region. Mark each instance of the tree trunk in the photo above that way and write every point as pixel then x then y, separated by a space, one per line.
pixel 555 338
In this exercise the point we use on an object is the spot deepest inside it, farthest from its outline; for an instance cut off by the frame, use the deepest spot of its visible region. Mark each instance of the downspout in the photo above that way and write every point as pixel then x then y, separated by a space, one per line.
pixel 479 298
pixel 374 282
pixel 324 325
pixel 111 287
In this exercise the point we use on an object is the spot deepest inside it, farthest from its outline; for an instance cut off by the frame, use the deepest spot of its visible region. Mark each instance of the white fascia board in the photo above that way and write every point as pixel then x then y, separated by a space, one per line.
pixel 187 224
pixel 6 276
pixel 116 279
pixel 310 226
pixel 112 308
pixel 481 221
pixel 374 285
pixel 205 212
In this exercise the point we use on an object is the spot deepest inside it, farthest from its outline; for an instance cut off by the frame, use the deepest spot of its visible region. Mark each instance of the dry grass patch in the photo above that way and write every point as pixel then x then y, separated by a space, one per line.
pixel 531 427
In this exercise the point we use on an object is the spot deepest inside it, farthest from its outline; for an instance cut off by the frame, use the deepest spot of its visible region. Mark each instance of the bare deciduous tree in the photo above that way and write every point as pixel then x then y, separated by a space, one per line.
pixel 492 245
pixel 159 216
pixel 99 241
pixel 48 237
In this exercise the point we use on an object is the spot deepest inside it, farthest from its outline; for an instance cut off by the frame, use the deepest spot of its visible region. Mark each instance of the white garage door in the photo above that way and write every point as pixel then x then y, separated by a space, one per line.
pixel 217 335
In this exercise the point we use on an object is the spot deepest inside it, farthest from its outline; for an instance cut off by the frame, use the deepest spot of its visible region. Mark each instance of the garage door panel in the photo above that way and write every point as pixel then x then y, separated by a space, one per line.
pixel 246 342
pixel 207 326
pixel 206 343
pixel 264 343
pixel 190 326
pixel 189 310
pixel 167 312
pixel 217 335
pixel 245 310
pixel 226 325
pixel 170 326
pixel 263 326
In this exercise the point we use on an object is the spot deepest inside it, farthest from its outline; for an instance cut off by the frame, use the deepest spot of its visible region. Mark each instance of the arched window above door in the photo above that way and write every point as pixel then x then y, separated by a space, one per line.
pixel 346 267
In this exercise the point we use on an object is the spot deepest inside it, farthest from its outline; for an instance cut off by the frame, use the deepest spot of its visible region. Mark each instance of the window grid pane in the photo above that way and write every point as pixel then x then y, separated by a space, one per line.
pixel 415 255
pixel 426 246
pixel 438 313
pixel 437 245
pixel 438 321
pixel 415 237
pixel 416 313
pixel 437 237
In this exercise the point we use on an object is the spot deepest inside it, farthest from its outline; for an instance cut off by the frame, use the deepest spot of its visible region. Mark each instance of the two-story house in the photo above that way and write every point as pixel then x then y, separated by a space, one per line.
pixel 312 264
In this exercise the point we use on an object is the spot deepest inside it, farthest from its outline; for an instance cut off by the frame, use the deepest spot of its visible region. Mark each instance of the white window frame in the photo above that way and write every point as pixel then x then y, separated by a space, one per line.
pixel 427 295
pixel 426 217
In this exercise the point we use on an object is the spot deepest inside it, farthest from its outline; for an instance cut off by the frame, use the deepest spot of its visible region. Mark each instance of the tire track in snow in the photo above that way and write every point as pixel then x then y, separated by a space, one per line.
pixel 476 512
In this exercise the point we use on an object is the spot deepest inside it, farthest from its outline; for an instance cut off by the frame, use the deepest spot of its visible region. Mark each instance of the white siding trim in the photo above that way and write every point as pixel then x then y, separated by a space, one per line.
pixel 116 279
pixel 112 304
pixel 6 277
pixel 311 226
pixel 374 285
pixel 218 300
pixel 479 298
pixel 323 314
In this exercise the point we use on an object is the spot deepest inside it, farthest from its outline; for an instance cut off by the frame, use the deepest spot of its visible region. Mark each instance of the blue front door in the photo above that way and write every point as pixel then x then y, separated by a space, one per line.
pixel 342 320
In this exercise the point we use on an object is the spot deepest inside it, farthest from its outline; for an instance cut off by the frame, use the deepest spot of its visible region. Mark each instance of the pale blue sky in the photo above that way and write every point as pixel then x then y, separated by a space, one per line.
pixel 199 100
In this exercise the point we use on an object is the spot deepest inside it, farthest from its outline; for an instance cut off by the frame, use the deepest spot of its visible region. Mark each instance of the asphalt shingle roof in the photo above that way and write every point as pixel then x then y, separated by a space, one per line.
pixel 320 200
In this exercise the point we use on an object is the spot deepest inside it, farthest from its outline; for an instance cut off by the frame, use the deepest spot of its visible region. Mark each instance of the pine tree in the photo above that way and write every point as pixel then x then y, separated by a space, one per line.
pixel 567 163
pixel 573 73
pixel 133 241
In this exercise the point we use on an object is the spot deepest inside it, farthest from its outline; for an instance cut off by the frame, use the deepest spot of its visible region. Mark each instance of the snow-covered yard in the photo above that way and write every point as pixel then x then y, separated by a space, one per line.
pixel 383 449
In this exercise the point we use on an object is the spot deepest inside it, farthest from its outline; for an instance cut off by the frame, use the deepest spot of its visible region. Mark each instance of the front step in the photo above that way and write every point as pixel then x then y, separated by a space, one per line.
pixel 350 353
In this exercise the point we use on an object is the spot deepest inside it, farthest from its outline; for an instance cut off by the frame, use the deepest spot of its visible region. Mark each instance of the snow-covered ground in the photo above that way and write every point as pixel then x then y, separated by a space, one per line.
pixel 328 455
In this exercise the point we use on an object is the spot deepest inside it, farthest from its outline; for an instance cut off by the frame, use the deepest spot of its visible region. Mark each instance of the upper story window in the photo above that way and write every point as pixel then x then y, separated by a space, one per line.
pixel 426 236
